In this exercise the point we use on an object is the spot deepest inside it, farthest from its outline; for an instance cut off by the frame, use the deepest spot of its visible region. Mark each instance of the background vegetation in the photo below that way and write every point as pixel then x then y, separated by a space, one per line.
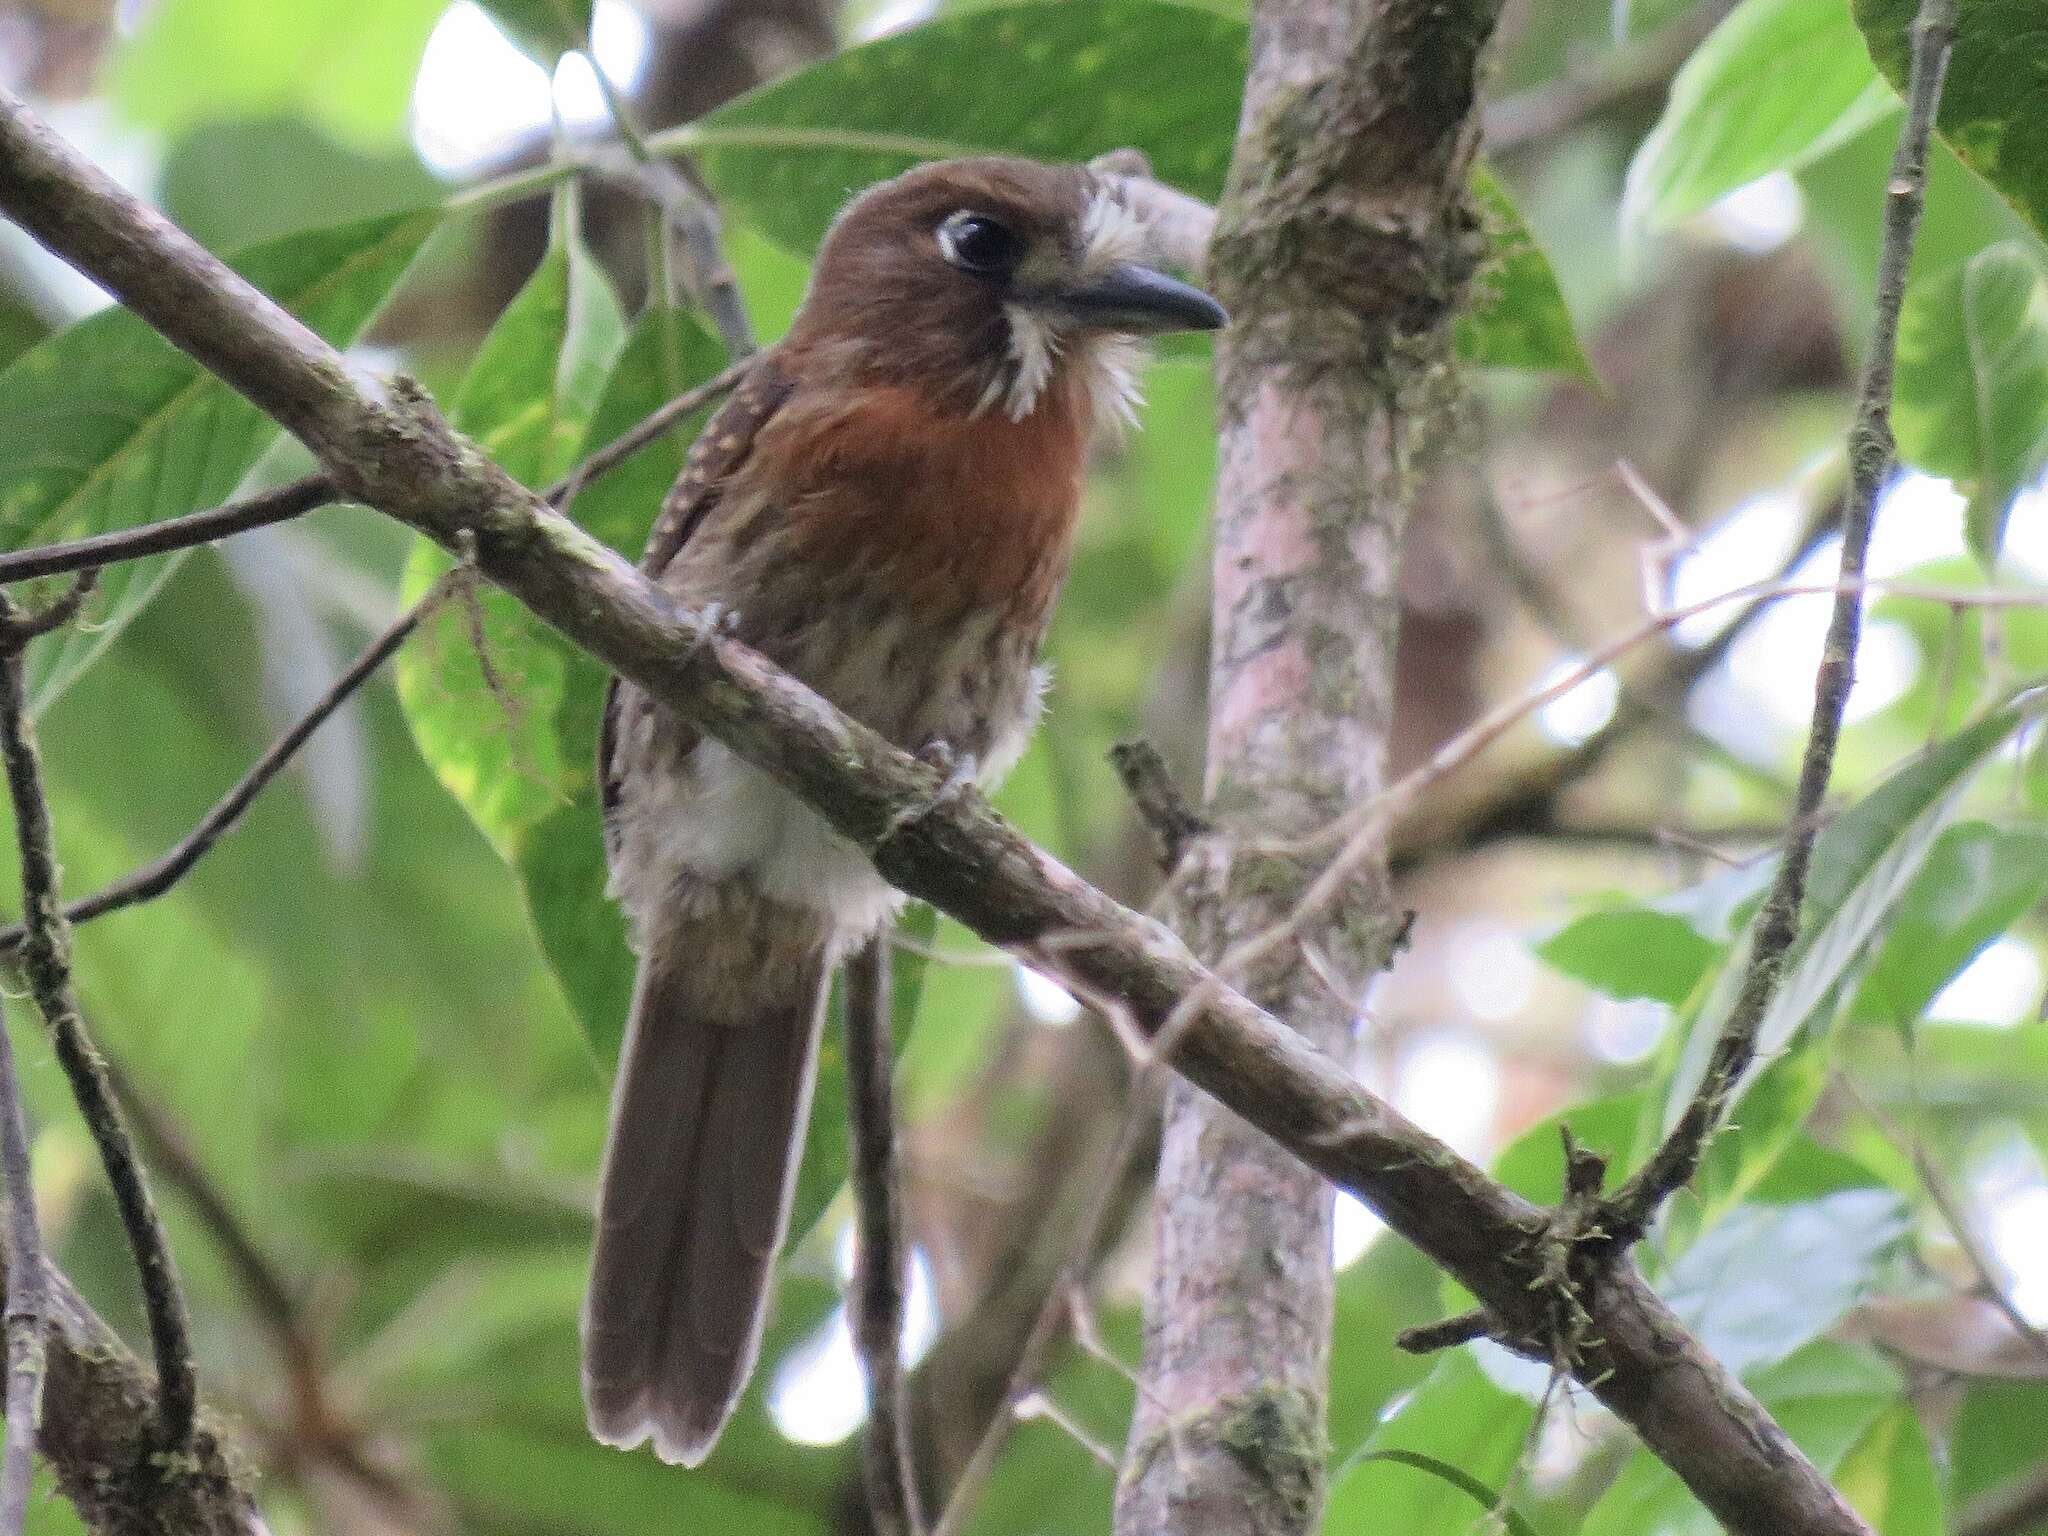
pixel 370 1035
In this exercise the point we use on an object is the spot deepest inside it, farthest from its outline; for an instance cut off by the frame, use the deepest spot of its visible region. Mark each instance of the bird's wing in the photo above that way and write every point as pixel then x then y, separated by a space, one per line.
pixel 721 448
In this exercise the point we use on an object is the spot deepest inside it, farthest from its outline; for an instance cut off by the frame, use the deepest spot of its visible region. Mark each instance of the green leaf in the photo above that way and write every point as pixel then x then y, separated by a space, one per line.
pixel 106 426
pixel 1060 82
pixel 1777 83
pixel 1051 81
pixel 528 778
pixel 1991 100
pixel 1517 316
pixel 1456 1477
pixel 1766 1280
pixel 1977 882
pixel 347 66
pixel 544 29
pixel 1632 951
pixel 308 178
pixel 1863 862
pixel 487 718
pixel 1890 1476
pixel 1971 399
pixel 1827 1398
pixel 1456 1416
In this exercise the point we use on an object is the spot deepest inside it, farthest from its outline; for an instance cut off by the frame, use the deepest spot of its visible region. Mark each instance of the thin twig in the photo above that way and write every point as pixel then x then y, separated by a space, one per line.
pixel 880 1264
pixel 159 876
pixel 1158 799
pixel 2019 1510
pixel 634 438
pixel 1672 1165
pixel 1989 1284
pixel 694 218
pixel 46 961
pixel 293 499
pixel 27 1300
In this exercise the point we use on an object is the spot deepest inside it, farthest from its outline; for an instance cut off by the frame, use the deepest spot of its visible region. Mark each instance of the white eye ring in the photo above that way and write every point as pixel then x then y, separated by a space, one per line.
pixel 975 242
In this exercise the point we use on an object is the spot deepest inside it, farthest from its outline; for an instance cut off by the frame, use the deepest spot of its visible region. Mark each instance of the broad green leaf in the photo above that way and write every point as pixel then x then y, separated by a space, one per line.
pixel 1517 316
pixel 106 426
pixel 1456 1416
pixel 504 1476
pixel 1828 1397
pixel 1051 81
pixel 1977 882
pixel 1766 1280
pixel 1991 100
pixel 1058 82
pixel 1971 400
pixel 487 717
pixel 346 64
pixel 1490 1501
pixel 2000 1435
pixel 1890 1476
pixel 1631 951
pixel 1390 1288
pixel 308 179
pixel 1863 863
pixel 1778 83
pixel 545 29
pixel 1845 209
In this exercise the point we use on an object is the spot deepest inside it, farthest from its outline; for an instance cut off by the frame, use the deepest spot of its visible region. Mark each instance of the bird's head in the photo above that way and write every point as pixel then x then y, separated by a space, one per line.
pixel 997 285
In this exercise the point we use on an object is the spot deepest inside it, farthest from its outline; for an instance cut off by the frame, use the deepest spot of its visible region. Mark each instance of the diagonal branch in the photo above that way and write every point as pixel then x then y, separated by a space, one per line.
pixel 309 493
pixel 392 451
pixel 1672 1165
pixel 46 961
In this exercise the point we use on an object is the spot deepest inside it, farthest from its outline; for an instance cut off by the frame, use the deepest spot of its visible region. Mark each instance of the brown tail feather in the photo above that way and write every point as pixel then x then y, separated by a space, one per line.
pixel 707 1128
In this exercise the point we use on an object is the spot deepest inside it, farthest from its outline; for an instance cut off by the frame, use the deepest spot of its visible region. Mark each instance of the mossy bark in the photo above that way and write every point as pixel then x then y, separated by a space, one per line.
pixel 1343 248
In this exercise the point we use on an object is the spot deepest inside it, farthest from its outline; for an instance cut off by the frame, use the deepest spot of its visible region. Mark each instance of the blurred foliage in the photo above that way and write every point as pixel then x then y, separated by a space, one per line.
pixel 1777 84
pixel 380 1016
pixel 1983 326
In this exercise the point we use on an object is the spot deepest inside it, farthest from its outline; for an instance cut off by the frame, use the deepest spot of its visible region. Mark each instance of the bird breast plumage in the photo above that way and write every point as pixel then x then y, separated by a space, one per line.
pixel 917 605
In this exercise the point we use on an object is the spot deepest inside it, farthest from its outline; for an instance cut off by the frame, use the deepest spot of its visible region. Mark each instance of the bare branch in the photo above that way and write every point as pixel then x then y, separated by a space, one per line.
pixel 1158 799
pixel 27 1300
pixel 1672 1165
pixel 311 492
pixel 46 961
pixel 881 1258
pixel 275 506
pixel 392 451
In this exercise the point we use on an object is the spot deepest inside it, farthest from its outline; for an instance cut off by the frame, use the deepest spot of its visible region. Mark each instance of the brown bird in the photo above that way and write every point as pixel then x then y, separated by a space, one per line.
pixel 885 507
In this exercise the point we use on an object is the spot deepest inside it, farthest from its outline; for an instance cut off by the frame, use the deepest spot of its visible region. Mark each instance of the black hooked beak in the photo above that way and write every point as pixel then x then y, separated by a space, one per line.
pixel 1141 302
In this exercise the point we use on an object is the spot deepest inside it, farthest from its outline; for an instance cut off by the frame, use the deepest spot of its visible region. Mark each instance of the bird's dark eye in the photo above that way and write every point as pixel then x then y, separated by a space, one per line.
pixel 976 243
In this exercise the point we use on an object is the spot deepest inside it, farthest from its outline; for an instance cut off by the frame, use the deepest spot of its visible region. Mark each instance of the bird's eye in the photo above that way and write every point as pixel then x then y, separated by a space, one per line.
pixel 974 242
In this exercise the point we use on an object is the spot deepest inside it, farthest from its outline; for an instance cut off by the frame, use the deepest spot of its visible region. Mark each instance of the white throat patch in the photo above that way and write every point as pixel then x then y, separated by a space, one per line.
pixel 1111 235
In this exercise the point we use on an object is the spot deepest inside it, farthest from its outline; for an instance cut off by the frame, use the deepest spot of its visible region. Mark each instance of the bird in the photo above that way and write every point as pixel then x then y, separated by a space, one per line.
pixel 884 507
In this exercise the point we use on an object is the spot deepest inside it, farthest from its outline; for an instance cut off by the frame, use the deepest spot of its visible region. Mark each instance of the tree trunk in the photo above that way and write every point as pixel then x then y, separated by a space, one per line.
pixel 1343 248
